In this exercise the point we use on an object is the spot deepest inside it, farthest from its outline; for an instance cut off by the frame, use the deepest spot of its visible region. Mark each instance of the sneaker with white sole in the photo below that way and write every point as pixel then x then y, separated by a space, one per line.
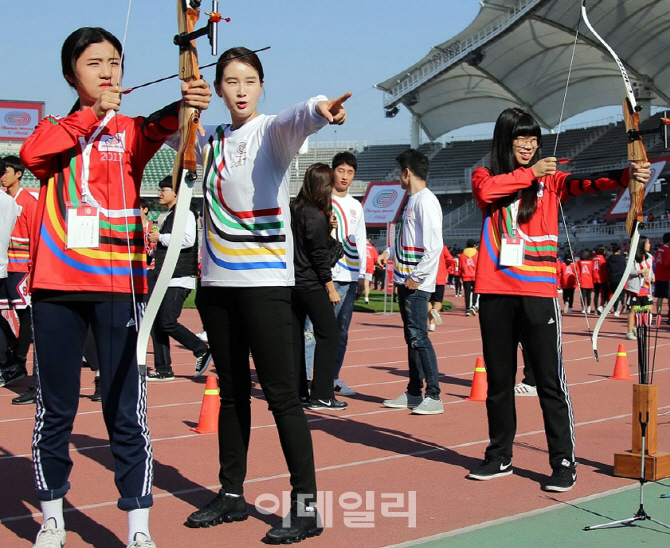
pixel 631 336
pixel 436 316
pixel 50 536
pixel 431 327
pixel 404 401
pixel 342 389
pixel 142 541
pixel 202 363
pixel 332 403
pixel 429 406
pixel 523 389
pixel 158 376
pixel 563 478
pixel 491 469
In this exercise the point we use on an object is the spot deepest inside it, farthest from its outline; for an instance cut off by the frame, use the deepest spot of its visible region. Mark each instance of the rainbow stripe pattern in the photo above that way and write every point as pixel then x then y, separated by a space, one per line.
pixel 239 240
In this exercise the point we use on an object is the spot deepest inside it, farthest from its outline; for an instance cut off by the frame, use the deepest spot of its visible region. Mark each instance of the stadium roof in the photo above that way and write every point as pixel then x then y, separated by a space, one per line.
pixel 517 53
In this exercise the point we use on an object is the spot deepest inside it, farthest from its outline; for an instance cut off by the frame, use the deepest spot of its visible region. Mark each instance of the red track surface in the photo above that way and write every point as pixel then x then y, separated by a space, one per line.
pixel 365 448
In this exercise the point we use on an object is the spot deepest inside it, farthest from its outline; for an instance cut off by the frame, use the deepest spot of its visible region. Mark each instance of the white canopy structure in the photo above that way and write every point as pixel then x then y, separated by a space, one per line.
pixel 518 52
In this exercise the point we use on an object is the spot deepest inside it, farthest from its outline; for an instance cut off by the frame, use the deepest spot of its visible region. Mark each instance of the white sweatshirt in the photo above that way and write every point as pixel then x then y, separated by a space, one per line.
pixel 247 239
pixel 351 233
pixel 419 241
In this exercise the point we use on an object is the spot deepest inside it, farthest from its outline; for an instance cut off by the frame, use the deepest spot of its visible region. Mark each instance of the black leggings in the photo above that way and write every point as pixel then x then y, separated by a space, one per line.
pixel 315 304
pixel 256 319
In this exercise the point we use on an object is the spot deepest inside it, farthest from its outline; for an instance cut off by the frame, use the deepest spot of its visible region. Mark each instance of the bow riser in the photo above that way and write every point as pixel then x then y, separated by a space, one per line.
pixel 183 175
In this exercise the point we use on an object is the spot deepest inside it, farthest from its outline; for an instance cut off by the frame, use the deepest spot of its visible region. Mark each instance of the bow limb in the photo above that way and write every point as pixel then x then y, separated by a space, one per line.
pixel 636 153
pixel 183 179
pixel 624 279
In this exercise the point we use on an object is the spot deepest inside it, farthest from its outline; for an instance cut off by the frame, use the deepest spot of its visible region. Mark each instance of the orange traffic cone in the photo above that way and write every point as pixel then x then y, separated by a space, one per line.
pixel 479 384
pixel 209 412
pixel 621 369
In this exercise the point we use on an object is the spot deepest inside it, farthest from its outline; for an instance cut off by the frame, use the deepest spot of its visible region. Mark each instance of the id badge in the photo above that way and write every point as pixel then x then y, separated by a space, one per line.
pixel 512 251
pixel 83 227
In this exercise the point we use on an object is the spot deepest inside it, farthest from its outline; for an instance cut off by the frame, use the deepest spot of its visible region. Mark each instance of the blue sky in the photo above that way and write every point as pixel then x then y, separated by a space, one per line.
pixel 318 46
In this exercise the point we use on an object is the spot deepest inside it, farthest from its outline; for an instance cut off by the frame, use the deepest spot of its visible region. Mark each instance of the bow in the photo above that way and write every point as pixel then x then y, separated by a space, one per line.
pixel 636 153
pixel 184 172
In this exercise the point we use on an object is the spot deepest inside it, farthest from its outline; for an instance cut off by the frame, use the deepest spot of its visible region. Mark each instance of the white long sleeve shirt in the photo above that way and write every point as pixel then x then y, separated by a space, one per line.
pixel 419 241
pixel 247 239
pixel 351 233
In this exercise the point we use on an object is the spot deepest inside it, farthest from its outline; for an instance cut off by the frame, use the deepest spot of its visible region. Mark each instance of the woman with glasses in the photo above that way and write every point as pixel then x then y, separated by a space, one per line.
pixel 516 279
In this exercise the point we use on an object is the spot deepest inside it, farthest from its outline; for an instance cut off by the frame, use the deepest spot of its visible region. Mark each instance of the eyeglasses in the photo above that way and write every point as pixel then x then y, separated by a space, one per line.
pixel 520 142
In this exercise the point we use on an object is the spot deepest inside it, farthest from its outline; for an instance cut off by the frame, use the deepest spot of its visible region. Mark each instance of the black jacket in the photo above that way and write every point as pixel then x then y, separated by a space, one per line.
pixel 616 264
pixel 187 264
pixel 310 237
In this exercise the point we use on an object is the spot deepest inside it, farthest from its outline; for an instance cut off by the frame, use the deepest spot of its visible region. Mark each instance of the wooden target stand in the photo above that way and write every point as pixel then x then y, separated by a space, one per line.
pixel 657 464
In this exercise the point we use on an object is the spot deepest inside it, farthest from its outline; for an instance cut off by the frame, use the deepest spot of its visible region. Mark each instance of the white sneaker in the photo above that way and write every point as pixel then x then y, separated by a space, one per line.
pixel 429 406
pixel 50 536
pixel 342 389
pixel 523 389
pixel 616 314
pixel 631 336
pixel 142 541
pixel 431 327
pixel 436 316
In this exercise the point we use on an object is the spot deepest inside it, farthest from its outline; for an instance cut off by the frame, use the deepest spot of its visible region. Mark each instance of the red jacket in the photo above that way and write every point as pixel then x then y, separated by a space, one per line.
pixel 468 264
pixel 370 258
pixel 117 153
pixel 446 260
pixel 538 274
pixel 600 274
pixel 19 243
pixel 662 264
pixel 586 273
pixel 568 277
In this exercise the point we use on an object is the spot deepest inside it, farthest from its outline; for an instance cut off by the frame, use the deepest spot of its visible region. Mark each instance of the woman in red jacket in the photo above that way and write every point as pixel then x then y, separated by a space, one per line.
pixel 435 301
pixel 516 279
pixel 89 268
pixel 585 269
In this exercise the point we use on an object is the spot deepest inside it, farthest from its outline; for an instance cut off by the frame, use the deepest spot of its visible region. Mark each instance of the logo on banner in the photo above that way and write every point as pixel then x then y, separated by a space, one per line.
pixel 113 143
pixel 385 198
pixel 17 118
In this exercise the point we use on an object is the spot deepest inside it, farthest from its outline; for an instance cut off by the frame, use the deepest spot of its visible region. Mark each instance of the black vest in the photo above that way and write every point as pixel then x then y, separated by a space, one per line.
pixel 187 263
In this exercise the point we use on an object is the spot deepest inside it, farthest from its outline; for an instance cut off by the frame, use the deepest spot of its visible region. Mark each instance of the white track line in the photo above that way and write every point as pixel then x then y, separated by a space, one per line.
pixel 329 468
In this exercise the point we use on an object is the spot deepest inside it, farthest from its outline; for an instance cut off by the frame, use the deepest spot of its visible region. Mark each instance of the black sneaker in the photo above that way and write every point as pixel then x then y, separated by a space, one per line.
pixel 301 522
pixel 222 507
pixel 563 478
pixel 332 403
pixel 26 398
pixel 202 363
pixel 305 401
pixel 12 374
pixel 97 395
pixel 492 468
pixel 158 376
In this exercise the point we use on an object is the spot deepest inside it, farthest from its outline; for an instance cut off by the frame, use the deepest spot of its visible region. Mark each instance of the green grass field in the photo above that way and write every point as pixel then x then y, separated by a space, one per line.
pixel 376 303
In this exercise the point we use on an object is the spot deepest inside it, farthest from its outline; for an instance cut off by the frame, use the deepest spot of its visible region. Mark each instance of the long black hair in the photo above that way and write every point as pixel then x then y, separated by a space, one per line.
pixel 513 123
pixel 641 252
pixel 76 44
pixel 317 190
